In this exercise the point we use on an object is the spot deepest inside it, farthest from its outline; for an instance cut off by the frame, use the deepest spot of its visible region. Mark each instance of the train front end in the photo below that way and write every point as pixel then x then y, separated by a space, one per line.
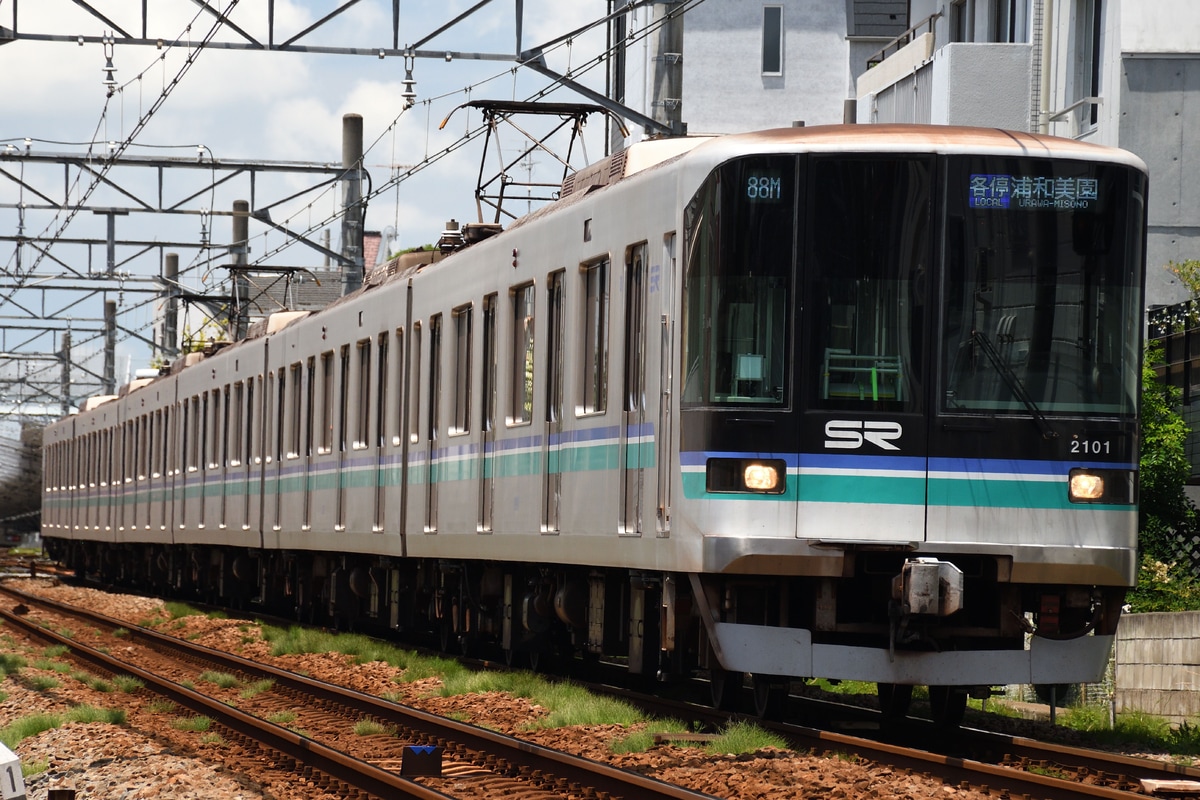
pixel 909 406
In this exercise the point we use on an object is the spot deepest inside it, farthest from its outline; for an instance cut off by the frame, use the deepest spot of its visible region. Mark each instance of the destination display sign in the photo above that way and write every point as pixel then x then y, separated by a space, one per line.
pixel 1024 191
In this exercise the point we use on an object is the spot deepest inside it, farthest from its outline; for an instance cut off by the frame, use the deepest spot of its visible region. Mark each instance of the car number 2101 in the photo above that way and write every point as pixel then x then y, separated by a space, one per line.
pixel 1091 447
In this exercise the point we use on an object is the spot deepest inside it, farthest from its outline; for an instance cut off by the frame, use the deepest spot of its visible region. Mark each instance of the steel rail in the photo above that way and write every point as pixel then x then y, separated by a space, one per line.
pixel 602 778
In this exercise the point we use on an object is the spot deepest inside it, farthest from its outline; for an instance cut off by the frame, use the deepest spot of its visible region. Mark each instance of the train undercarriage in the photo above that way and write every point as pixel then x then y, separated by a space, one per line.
pixel 652 624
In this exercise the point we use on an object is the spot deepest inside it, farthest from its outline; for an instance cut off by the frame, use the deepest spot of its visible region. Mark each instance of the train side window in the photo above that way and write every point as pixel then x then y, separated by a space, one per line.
pixel 194 449
pixel 310 394
pixel 414 387
pixel 398 438
pixel 236 419
pixel 555 340
pixel 164 441
pixel 488 404
pixel 226 411
pixel 214 449
pixel 185 436
pixel 147 447
pixel 130 445
pixel 461 422
pixel 381 392
pixel 294 428
pixel 202 438
pixel 276 389
pixel 435 375
pixel 594 358
pixel 252 421
pixel 326 445
pixel 344 399
pixel 362 428
pixel 520 410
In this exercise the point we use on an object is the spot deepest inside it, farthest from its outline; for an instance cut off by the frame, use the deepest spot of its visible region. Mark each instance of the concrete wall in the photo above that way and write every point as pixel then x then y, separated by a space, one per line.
pixel 1160 121
pixel 1158 665
pixel 982 84
pixel 724 88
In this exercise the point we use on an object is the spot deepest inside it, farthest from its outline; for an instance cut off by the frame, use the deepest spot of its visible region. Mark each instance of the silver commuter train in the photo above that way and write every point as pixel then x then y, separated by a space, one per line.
pixel 853 402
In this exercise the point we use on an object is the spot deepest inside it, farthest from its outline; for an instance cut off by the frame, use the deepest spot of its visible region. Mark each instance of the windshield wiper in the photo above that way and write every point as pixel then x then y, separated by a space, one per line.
pixel 1014 383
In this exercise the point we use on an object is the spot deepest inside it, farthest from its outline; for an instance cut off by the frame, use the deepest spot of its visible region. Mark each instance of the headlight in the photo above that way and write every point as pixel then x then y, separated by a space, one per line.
pixel 758 475
pixel 1108 486
pixel 1086 486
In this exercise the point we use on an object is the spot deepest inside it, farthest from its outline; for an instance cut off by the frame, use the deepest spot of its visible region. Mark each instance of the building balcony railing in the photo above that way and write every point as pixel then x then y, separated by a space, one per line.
pixel 903 39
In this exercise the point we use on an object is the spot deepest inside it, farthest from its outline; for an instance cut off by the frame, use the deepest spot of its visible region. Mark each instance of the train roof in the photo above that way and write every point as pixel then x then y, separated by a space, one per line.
pixel 903 138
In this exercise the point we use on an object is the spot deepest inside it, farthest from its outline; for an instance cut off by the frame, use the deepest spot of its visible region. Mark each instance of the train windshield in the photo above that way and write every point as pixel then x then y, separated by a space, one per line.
pixel 741 228
pixel 1042 287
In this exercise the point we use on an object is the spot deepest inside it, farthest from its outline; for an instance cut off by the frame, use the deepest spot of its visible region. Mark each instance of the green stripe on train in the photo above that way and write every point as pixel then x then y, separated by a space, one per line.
pixel 947 492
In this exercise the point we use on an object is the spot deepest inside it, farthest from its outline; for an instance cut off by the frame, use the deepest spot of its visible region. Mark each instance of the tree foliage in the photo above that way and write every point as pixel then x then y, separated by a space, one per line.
pixel 1164 464
pixel 1165 511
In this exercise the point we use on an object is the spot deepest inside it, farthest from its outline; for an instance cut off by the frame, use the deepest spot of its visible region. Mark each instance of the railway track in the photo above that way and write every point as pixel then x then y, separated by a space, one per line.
pixel 1005 765
pixel 479 762
pixel 1018 766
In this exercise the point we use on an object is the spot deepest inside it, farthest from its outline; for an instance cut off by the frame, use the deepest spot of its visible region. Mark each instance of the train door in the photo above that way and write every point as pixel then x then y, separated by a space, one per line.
pixel 381 439
pixel 636 444
pixel 866 262
pixel 343 432
pixel 662 283
pixel 435 404
pixel 487 446
pixel 237 472
pixel 552 455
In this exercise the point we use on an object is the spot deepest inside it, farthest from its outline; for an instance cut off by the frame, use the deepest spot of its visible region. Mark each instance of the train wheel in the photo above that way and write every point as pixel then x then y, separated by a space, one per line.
pixel 947 704
pixel 894 700
pixel 725 688
pixel 770 696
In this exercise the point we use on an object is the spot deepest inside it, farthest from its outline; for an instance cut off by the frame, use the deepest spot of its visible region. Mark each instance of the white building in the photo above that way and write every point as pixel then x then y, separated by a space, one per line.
pixel 1116 72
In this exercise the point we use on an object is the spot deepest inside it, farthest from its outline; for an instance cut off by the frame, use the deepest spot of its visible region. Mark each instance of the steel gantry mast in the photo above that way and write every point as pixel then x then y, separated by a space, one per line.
pixel 55 284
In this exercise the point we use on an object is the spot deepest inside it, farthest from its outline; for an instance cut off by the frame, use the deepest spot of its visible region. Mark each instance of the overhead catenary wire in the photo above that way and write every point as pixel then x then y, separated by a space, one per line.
pixel 110 159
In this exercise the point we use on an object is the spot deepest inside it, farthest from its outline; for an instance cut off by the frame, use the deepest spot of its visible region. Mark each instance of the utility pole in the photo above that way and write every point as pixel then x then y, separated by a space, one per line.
pixel 170 331
pixel 352 218
pixel 240 316
pixel 110 347
pixel 64 393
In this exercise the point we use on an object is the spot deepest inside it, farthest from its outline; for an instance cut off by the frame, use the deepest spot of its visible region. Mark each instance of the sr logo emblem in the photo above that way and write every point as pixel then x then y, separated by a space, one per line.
pixel 849 434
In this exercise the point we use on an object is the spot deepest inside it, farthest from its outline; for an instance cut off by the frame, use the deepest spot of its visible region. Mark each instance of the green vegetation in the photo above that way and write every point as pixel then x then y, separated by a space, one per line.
pixel 1133 727
pixel 369 727
pixel 193 724
pixel 10 664
pixel 91 681
pixel 642 739
pixel 127 683
pixel 258 687
pixel 212 738
pixel 743 737
pixel 56 651
pixel 282 717
pixel 42 683
pixel 160 707
pixel 222 680
pixel 34 724
pixel 179 610
pixel 120 632
pixel 31 768
pixel 51 666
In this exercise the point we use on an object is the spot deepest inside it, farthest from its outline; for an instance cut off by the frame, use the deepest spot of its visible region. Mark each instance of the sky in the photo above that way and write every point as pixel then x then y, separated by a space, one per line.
pixel 229 104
